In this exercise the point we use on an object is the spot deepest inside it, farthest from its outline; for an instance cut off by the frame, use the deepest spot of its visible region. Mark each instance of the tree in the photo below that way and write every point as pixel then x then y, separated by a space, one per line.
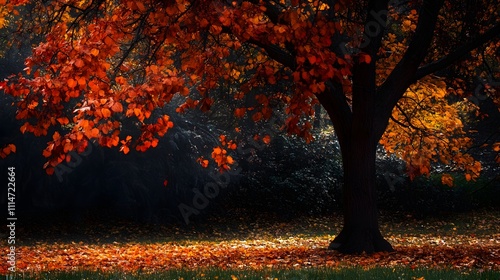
pixel 102 61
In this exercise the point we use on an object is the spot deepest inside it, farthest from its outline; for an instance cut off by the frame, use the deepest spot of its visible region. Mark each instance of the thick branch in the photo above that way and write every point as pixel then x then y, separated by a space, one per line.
pixel 363 74
pixel 404 73
pixel 334 101
pixel 276 53
pixel 458 53
pixel 376 17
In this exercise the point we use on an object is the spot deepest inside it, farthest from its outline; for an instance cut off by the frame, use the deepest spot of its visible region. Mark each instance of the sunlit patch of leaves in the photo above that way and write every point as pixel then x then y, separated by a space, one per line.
pixel 469 242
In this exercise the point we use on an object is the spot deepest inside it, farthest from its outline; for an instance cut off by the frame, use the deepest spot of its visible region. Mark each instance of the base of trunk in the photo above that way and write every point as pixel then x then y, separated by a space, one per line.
pixel 357 241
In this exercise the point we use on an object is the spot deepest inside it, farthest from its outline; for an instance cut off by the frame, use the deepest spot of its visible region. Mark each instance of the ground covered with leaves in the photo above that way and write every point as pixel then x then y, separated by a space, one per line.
pixel 461 242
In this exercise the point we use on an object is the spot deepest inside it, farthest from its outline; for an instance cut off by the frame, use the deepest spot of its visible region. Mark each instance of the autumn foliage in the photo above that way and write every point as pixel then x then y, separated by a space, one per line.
pixel 105 60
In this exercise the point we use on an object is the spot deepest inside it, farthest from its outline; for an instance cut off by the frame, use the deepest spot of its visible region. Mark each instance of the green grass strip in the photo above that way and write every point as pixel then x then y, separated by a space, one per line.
pixel 299 274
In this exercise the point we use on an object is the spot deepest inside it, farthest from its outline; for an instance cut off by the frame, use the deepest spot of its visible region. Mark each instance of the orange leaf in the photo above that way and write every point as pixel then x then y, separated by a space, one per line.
pixel 71 83
pixel 154 143
pixel 239 112
pixel 203 162
pixel 125 149
pixel 81 81
pixel 79 63
pixel 6 150
pixel 312 59
pixel 117 107
pixel 106 113
pixel 468 177
pixel 363 57
pixel 56 136
pixel 257 116
pixel 217 151
pixel 171 10
pixel 140 6
pixel 12 147
pixel 496 147
pixel 46 153
pixel 446 179
pixel 94 52
pixel 50 170
pixel 266 139
pixel 63 120
pixel 108 41
pixel 203 23
pixel 94 133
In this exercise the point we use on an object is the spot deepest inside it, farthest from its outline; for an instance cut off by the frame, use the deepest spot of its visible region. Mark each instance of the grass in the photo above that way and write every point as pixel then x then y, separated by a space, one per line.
pixel 308 273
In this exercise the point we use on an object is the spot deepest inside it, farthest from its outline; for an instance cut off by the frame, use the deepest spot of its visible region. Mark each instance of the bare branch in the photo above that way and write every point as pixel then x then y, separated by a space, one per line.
pixel 459 53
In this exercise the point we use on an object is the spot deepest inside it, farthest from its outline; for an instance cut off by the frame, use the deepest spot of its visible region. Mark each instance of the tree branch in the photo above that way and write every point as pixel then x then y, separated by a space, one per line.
pixel 334 101
pixel 458 53
pixel 276 53
pixel 403 74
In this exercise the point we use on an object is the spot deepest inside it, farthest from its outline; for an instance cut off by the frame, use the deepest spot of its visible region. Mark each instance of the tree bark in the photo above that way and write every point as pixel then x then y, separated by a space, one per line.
pixel 358 142
pixel 361 229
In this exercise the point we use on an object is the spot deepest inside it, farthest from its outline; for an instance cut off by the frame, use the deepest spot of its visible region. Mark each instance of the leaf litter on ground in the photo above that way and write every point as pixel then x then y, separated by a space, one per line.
pixel 461 241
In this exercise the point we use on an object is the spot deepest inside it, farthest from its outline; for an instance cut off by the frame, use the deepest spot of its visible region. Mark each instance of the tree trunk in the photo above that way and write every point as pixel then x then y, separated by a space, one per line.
pixel 358 139
pixel 361 230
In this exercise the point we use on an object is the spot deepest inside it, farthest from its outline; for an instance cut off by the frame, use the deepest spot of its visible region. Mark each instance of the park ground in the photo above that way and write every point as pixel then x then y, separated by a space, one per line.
pixel 454 246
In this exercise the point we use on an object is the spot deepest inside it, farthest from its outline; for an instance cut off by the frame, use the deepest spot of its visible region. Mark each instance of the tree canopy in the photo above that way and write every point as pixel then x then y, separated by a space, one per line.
pixel 385 71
